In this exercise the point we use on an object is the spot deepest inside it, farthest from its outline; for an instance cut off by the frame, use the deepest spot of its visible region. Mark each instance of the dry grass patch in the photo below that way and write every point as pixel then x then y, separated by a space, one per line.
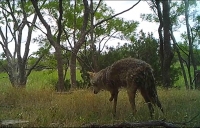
pixel 47 108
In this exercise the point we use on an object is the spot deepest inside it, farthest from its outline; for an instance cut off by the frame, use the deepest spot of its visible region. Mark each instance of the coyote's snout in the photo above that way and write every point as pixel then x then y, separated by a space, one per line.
pixel 96 90
pixel 131 73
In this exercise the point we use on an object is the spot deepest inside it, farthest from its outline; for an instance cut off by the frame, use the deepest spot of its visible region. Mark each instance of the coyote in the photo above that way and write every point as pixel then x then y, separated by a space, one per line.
pixel 131 73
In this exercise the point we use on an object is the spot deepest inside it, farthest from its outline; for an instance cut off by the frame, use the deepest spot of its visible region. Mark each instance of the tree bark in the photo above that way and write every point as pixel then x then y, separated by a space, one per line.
pixel 160 33
pixel 168 54
pixel 58 55
pixel 72 66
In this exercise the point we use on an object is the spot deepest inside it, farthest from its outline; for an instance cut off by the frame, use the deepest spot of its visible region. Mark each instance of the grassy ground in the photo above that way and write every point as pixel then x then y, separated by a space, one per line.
pixel 47 108
pixel 42 106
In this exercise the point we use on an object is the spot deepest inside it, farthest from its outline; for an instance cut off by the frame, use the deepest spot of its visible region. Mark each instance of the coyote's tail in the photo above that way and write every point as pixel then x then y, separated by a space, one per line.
pixel 150 88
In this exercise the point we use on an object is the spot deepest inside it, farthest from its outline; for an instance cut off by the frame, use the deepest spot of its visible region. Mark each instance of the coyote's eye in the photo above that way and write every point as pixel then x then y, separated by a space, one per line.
pixel 93 83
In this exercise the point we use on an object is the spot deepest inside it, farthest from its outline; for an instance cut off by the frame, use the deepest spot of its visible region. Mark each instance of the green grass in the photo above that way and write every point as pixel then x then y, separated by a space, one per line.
pixel 180 83
pixel 42 106
pixel 38 79
pixel 47 108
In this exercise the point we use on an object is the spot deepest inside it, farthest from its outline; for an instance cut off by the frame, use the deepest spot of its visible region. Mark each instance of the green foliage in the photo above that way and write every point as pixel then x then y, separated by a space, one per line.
pixel 103 12
pixel 149 17
pixel 3 65
pixel 17 10
pixel 175 73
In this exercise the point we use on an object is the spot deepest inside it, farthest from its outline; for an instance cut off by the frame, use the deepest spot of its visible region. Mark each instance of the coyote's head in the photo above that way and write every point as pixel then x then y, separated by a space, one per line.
pixel 95 82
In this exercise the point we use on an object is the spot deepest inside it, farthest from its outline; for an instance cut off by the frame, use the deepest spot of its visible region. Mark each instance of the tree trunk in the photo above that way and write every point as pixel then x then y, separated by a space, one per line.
pixel 182 67
pixel 18 82
pixel 191 54
pixel 58 55
pixel 92 39
pixel 161 51
pixel 72 66
pixel 168 55
pixel 55 44
pixel 16 78
pixel 78 45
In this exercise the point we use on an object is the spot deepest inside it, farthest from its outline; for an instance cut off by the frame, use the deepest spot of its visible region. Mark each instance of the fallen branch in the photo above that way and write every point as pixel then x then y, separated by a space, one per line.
pixel 129 124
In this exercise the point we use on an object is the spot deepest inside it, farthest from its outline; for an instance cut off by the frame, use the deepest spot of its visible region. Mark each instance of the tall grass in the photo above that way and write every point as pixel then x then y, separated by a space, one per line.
pixel 47 108
pixel 42 106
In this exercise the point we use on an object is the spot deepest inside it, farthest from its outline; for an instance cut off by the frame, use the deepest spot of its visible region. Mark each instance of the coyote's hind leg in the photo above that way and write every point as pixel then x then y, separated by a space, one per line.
pixel 131 90
pixel 144 93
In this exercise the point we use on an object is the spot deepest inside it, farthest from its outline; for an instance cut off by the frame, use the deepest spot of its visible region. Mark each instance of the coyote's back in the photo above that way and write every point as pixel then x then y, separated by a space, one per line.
pixel 129 69
pixel 134 74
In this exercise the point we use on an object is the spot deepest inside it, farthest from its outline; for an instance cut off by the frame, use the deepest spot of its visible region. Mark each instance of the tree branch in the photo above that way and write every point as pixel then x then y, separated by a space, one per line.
pixel 59 22
pixel 4 45
pixel 48 29
pixel 28 41
pixel 67 37
pixel 100 22
pixel 97 7
pixel 110 36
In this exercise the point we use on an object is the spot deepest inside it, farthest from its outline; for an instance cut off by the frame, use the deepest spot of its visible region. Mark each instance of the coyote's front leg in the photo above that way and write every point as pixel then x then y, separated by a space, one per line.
pixel 113 93
pixel 114 96
pixel 111 97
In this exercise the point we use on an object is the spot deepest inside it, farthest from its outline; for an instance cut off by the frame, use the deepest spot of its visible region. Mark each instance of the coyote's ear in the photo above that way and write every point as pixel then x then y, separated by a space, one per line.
pixel 91 74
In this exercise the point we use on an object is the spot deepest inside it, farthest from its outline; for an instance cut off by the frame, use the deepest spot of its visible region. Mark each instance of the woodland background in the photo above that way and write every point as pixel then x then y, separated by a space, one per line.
pixel 73 38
